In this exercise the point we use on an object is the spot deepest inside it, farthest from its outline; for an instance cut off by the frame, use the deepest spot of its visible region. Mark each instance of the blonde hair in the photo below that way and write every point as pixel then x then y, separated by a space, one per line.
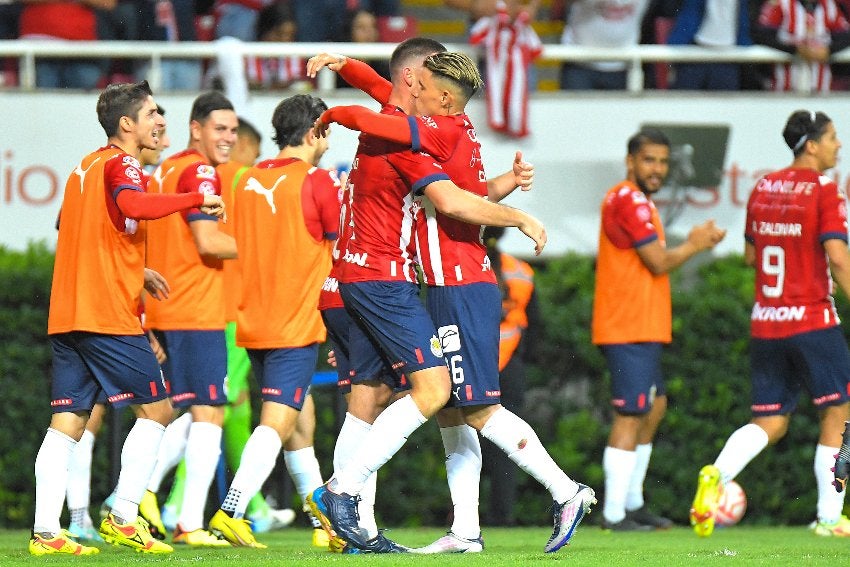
pixel 458 68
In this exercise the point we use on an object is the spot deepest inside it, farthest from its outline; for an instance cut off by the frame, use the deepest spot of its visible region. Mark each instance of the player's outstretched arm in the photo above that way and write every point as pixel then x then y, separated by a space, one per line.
pixel 149 206
pixel 520 176
pixel 357 73
pixel 354 117
pixel 660 260
pixel 462 205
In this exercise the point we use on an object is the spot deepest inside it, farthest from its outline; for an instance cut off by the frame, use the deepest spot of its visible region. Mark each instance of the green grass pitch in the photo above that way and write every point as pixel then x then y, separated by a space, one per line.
pixel 591 547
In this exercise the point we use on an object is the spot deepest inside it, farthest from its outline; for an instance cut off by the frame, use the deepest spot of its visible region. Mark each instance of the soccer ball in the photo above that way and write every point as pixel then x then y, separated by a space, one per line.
pixel 732 505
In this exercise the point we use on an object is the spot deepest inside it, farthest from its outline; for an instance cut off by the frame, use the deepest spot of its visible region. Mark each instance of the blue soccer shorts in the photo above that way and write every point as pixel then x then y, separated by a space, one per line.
pixel 780 368
pixel 636 378
pixel 467 319
pixel 284 374
pixel 196 367
pixel 88 365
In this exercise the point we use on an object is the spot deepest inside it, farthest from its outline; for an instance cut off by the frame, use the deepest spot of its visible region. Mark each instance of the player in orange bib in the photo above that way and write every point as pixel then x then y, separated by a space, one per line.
pixel 95 334
pixel 190 250
pixel 632 320
pixel 287 218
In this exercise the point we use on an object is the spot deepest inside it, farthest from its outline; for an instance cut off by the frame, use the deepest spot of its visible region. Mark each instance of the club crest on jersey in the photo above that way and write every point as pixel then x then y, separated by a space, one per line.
pixel 643 214
pixel 131 161
pixel 133 175
pixel 207 188
pixel 449 338
pixel 436 349
pixel 205 172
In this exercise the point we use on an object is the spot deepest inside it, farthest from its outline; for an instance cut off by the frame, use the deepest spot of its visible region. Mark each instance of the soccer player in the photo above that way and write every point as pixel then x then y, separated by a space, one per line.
pixel 465 303
pixel 796 240
pixel 78 495
pixel 190 249
pixel 299 454
pixel 288 216
pixel 632 320
pixel 95 334
pixel 378 287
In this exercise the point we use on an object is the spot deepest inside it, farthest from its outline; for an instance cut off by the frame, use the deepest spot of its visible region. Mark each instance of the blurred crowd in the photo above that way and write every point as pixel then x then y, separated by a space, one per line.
pixel 811 30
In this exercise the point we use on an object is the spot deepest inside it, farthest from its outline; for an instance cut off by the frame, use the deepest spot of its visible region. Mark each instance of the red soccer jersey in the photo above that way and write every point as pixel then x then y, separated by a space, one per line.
pixel 450 251
pixel 790 214
pixel 383 175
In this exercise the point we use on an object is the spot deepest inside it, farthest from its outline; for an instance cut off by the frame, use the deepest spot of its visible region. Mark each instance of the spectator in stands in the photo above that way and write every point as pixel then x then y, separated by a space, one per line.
pixel 361 26
pixel 170 20
pixel 600 23
pixel 325 20
pixel 508 39
pixel 710 24
pixel 276 23
pixel 63 20
pixel 813 39
pixel 238 18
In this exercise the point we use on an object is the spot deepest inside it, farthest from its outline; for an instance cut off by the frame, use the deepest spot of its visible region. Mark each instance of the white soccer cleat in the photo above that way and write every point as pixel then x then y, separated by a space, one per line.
pixel 451 543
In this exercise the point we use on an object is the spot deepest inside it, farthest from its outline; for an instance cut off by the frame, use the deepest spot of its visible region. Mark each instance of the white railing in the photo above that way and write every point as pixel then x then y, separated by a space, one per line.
pixel 29 50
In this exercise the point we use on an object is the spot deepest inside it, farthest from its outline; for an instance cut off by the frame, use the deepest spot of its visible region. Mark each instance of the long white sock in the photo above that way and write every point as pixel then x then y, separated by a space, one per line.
pixel 138 458
pixel 304 470
pixel 742 447
pixel 171 450
pixel 351 435
pixel 385 438
pixel 258 459
pixel 463 471
pixel 51 479
pixel 203 449
pixel 634 497
pixel 520 443
pixel 366 506
pixel 618 466
pixel 78 493
pixel 830 501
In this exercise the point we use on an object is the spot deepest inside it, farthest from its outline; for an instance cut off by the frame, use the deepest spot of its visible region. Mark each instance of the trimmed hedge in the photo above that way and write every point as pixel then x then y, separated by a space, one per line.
pixel 706 367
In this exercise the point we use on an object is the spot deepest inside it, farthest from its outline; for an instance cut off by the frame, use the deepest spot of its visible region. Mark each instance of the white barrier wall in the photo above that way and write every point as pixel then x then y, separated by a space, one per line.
pixel 577 146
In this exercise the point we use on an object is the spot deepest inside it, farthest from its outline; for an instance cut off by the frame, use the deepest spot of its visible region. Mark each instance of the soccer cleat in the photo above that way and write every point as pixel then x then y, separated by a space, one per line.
pixel 567 517
pixel 382 544
pixel 842 461
pixel 237 532
pixel 706 500
pixel 320 508
pixel 136 535
pixel 42 544
pixel 840 528
pixel 149 510
pixel 84 533
pixel 197 538
pixel 452 543
pixel 625 525
pixel 643 516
